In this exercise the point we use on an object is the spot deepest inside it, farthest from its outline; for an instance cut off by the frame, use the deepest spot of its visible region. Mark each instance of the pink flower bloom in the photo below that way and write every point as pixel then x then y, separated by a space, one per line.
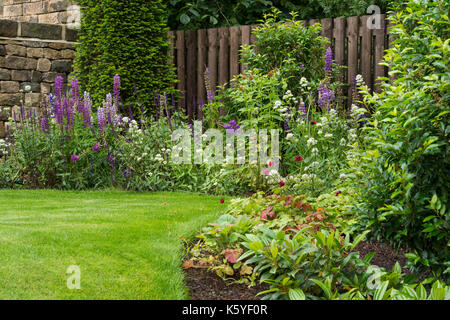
pixel 282 183
pixel 75 158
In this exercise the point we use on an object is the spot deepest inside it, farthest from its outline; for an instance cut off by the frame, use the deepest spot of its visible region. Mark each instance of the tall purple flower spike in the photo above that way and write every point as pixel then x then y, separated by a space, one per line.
pixel 116 91
pixel 329 60
pixel 59 83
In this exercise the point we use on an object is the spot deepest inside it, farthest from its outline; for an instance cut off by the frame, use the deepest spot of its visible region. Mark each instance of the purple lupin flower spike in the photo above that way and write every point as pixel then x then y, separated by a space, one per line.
pixel 59 83
pixel 75 89
pixel 70 118
pixel 87 112
pixel 329 60
pixel 116 90
pixel 101 119
pixel 130 110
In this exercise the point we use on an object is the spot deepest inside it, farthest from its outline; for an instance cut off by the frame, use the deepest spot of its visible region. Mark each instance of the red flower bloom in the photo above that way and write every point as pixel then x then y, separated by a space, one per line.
pixel 222 200
pixel 282 183
pixel 338 193
pixel 298 158
pixel 313 122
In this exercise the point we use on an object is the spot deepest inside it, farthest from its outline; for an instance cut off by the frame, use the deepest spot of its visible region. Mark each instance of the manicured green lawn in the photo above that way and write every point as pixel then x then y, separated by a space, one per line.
pixel 126 244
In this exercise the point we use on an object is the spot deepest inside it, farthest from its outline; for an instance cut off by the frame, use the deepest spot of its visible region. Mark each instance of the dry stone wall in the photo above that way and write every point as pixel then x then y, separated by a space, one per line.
pixel 41 11
pixel 32 55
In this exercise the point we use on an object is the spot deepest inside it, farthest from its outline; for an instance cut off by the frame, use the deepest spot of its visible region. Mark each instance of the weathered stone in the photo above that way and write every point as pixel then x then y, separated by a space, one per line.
pixel 32 99
pixel 62 66
pixel 35 44
pixel 71 35
pixel 36 76
pixel 50 76
pixel 9 86
pixel 35 52
pixel 58 45
pixel 68 54
pixel 33 8
pixel 44 65
pixel 20 63
pixel 20 75
pixel 57 5
pixel 12 10
pixel 5 74
pixel 5 113
pixel 2 50
pixel 8 28
pixel 41 31
pixel 9 99
pixel 49 18
pixel 2 62
pixel 30 87
pixel 52 54
pixel 46 88
pixel 15 50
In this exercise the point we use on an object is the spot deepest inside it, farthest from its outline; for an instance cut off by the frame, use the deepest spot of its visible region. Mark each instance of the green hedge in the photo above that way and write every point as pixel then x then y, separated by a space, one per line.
pixel 127 38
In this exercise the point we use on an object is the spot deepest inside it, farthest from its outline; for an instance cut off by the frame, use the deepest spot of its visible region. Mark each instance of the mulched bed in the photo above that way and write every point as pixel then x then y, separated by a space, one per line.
pixel 206 285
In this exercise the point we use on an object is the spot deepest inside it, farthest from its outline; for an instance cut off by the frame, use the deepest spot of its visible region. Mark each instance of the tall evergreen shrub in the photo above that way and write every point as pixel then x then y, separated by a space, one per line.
pixel 127 38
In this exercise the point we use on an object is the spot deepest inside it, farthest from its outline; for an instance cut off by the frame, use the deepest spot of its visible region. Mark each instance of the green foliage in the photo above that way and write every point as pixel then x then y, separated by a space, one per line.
pixel 126 38
pixel 403 172
pixel 196 14
pixel 296 51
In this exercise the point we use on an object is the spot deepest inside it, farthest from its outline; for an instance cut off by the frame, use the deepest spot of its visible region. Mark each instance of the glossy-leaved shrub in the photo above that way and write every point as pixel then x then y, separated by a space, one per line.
pixel 403 186
pixel 126 38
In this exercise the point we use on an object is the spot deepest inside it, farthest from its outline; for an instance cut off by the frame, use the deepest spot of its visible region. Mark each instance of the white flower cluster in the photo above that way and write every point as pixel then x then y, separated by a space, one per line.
pixel 289 98
pixel 4 147
pixel 311 142
pixel 304 84
pixel 279 107
pixel 352 136
pixel 273 177
pixel 359 80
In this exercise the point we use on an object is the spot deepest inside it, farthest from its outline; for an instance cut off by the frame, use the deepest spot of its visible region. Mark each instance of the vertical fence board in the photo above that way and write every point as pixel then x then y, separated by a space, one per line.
pixel 366 51
pixel 224 56
pixel 218 49
pixel 380 40
pixel 352 56
pixel 339 49
pixel 201 65
pixel 190 72
pixel 181 68
pixel 212 58
pixel 327 29
pixel 234 51
pixel 245 40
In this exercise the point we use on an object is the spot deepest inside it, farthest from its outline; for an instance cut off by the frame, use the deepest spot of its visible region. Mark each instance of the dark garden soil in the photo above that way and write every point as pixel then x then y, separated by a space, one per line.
pixel 206 285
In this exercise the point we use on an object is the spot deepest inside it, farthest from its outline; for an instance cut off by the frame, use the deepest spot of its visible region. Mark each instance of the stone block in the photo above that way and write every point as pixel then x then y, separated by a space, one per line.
pixel 20 75
pixel 35 52
pixel 2 129
pixel 68 54
pixel 62 66
pixel 50 76
pixel 32 99
pixel 5 74
pixel 46 88
pixel 44 65
pixel 30 87
pixel 41 31
pixel 52 54
pixel 9 86
pixel 33 8
pixel 14 10
pixel 9 99
pixel 20 63
pixel 36 76
pixel 15 50
pixel 8 28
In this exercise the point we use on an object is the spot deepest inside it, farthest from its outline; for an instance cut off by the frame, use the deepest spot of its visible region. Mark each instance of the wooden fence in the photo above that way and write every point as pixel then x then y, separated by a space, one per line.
pixel 354 44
